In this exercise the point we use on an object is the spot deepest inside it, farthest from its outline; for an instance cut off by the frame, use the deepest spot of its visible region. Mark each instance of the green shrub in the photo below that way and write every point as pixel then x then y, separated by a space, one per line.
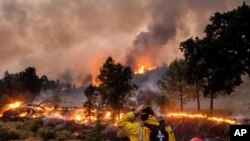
pixel 63 135
pixel 46 133
pixel 96 133
pixel 22 134
pixel 34 124
pixel 19 126
pixel 6 134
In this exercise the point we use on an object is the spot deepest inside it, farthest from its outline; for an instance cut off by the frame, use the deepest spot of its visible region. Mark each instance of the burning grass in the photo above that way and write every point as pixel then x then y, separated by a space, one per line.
pixel 203 116
pixel 43 121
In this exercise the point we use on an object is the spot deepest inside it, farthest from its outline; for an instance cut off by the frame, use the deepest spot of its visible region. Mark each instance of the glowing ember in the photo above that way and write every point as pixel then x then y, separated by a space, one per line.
pixel 23 114
pixel 202 116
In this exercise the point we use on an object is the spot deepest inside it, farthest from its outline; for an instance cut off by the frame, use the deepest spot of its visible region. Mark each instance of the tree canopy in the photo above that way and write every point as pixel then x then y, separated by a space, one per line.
pixel 25 85
pixel 115 84
pixel 192 49
pixel 222 56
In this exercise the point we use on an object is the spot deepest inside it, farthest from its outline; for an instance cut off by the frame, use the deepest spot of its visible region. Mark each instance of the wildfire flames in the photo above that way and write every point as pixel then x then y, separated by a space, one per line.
pixel 79 115
pixel 14 105
pixel 143 69
pixel 202 116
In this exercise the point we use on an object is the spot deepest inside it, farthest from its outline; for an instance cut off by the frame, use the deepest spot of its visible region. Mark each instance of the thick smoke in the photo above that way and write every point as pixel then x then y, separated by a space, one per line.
pixel 172 22
pixel 53 35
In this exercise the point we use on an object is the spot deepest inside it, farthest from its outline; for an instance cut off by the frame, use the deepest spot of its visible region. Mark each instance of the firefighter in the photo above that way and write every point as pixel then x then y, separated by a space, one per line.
pixel 142 131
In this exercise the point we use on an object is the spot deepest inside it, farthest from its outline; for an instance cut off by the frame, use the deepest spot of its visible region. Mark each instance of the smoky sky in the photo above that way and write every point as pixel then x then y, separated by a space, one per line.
pixel 170 22
pixel 77 36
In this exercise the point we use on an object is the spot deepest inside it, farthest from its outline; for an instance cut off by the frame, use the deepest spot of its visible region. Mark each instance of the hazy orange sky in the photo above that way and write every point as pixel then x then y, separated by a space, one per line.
pixel 76 36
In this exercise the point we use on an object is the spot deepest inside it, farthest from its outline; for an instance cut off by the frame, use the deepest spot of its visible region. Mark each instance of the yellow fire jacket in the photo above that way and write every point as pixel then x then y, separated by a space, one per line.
pixel 132 129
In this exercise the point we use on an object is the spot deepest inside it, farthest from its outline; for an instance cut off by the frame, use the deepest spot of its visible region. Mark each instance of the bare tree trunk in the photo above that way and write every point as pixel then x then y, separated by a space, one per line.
pixel 165 116
pixel 181 101
pixel 198 95
pixel 89 114
pixel 211 103
pixel 119 112
pixel 113 116
pixel 181 94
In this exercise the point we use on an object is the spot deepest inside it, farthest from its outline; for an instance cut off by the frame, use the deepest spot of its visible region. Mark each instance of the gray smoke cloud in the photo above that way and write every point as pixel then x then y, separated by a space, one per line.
pixel 171 22
pixel 53 35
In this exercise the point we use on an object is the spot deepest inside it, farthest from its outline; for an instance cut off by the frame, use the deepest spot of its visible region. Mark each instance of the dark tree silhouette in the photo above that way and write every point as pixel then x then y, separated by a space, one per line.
pixel 162 102
pixel 115 84
pixel 174 82
pixel 25 85
pixel 47 84
pixel 225 51
pixel 91 94
pixel 192 49
pixel 30 81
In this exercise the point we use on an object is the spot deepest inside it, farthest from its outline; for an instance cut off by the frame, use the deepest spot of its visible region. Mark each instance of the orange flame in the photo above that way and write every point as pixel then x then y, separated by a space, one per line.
pixel 78 118
pixel 143 69
pixel 23 114
pixel 14 105
pixel 79 115
pixel 202 116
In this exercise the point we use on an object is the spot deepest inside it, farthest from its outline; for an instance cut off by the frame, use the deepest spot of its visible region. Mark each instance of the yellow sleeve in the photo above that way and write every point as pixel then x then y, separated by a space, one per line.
pixel 170 133
pixel 127 125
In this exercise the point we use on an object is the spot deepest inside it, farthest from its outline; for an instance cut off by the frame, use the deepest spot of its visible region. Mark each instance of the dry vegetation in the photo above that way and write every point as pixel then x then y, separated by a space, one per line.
pixel 36 129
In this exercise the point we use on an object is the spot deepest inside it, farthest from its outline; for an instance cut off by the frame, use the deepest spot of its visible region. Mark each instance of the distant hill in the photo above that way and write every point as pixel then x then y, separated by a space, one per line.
pixel 147 84
pixel 151 76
